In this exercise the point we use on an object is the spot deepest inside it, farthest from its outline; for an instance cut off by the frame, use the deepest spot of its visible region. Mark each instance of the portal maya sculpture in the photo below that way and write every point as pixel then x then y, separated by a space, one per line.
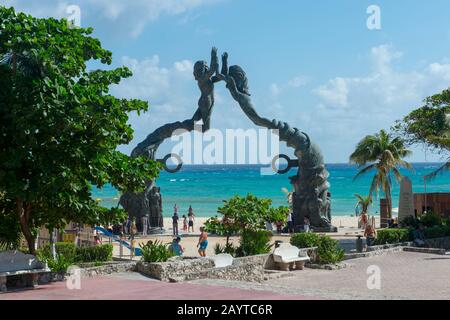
pixel 310 197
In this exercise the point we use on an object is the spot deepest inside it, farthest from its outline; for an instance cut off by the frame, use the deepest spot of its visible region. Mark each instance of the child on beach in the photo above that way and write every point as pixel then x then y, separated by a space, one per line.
pixel 185 227
pixel 202 242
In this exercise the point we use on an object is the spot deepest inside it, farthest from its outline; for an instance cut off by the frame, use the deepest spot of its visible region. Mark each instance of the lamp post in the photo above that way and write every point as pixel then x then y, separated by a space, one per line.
pixel 425 186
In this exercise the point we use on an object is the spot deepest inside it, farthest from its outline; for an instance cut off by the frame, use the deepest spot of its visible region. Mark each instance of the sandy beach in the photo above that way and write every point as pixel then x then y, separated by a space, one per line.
pixel 339 222
pixel 347 228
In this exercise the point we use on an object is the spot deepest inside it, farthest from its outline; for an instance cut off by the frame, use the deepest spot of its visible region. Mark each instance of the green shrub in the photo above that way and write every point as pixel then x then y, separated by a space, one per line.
pixel 305 240
pixel 410 221
pixel 67 250
pixel 99 253
pixel 65 256
pixel 227 248
pixel 156 251
pixel 431 219
pixel 329 251
pixel 60 264
pixel 437 232
pixel 254 242
pixel 388 236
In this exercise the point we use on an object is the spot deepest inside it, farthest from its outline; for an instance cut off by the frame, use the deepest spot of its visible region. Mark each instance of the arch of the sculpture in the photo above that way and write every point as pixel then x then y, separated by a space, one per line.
pixel 310 197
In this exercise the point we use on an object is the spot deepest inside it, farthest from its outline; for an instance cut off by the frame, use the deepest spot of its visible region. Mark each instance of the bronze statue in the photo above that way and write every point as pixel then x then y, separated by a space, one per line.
pixel 310 198
pixel 155 204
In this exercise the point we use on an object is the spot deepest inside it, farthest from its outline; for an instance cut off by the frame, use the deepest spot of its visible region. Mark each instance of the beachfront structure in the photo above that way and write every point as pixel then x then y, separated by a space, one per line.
pixel 432 202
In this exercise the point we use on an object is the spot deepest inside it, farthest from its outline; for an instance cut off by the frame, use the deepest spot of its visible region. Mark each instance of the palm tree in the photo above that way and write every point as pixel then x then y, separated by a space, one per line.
pixel 381 153
pixel 364 202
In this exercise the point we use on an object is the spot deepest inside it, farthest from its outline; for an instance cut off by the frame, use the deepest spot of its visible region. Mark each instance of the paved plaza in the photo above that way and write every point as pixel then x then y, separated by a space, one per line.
pixel 404 275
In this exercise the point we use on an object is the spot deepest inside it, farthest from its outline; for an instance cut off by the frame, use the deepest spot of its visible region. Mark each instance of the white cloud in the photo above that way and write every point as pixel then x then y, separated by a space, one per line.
pixel 297 82
pixel 294 83
pixel 351 107
pixel 131 16
pixel 335 92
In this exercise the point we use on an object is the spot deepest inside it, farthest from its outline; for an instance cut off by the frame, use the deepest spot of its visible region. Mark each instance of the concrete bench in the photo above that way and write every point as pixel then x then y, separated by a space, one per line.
pixel 222 260
pixel 288 257
pixel 16 263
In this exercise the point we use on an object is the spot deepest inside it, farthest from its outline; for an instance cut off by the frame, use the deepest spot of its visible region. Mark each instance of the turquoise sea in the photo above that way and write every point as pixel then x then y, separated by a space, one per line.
pixel 204 187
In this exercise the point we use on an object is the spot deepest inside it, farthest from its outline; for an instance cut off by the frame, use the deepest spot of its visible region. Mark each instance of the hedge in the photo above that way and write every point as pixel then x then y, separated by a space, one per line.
pixel 72 253
pixel 388 236
pixel 328 249
pixel 437 232
pixel 305 240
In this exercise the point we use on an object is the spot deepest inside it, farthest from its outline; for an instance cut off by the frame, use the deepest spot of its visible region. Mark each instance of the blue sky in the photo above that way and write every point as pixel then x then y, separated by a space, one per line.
pixel 314 64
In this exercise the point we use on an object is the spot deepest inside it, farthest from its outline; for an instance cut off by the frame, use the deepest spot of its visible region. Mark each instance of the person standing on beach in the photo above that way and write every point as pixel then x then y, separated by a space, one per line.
pixel 191 216
pixel 175 223
pixel 202 242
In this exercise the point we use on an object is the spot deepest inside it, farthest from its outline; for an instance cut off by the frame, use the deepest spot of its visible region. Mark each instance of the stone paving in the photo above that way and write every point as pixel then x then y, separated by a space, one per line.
pixel 404 275
pixel 133 286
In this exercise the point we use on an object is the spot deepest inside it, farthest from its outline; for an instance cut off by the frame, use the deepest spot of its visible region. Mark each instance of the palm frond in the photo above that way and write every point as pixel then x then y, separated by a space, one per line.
pixel 439 171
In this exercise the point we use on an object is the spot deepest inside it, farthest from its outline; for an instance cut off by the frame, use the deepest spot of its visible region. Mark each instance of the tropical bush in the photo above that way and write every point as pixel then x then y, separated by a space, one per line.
pixel 245 213
pixel 329 251
pixel 431 219
pixel 305 240
pixel 437 232
pixel 99 253
pixel 156 251
pixel 410 221
pixel 254 242
pixel 65 256
pixel 388 236
pixel 68 254
pixel 227 248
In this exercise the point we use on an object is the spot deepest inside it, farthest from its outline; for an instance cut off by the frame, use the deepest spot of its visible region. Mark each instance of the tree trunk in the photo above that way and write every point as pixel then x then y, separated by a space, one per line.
pixel 24 211
pixel 389 202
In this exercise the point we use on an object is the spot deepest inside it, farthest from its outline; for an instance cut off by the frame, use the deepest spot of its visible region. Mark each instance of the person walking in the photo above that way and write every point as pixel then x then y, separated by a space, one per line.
pixel 306 224
pixel 202 242
pixel 290 223
pixel 191 218
pixel 175 223
pixel 370 233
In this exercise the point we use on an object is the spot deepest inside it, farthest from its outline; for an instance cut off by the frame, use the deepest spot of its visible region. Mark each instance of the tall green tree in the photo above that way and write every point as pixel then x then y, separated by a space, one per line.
pixel 384 155
pixel 60 127
pixel 429 125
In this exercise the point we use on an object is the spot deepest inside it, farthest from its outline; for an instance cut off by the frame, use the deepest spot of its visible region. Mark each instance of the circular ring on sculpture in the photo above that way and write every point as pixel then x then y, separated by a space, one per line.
pixel 281 156
pixel 169 156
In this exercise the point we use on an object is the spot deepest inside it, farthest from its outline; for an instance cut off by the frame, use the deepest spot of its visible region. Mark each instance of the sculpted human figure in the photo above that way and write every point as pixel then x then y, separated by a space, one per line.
pixel 206 78
pixel 155 204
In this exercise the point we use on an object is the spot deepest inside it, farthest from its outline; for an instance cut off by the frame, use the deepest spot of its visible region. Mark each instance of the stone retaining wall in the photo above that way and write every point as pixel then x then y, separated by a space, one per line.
pixel 108 268
pixel 440 243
